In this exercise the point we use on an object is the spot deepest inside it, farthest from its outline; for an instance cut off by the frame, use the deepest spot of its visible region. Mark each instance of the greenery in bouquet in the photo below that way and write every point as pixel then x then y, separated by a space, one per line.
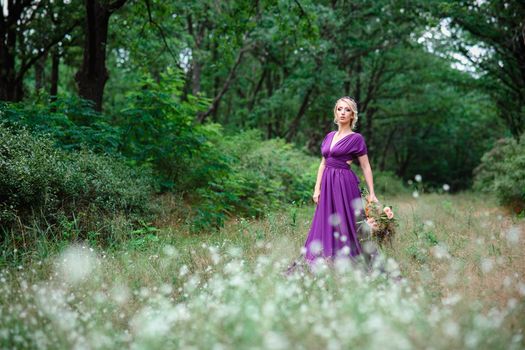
pixel 379 223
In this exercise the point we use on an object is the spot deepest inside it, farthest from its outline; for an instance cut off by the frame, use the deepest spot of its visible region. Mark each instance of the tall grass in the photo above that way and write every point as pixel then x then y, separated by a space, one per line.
pixel 461 258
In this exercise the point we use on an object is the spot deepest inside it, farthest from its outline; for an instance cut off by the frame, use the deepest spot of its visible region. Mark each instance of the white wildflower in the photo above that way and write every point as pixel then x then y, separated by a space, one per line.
pixel 513 235
pixel 334 219
pixel 487 264
pixel 75 264
pixel 316 247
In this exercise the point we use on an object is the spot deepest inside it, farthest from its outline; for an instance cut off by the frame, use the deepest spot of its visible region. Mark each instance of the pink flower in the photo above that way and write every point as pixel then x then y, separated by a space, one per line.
pixel 389 213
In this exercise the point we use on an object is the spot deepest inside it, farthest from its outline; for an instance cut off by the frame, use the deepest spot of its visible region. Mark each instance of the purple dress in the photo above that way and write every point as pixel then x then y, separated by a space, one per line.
pixel 333 231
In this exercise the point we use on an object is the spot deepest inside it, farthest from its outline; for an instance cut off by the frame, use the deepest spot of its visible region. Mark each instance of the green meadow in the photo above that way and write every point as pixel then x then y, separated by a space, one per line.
pixel 460 258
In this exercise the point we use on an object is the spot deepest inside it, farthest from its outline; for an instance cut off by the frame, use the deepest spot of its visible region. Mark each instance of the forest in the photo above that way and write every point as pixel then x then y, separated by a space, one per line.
pixel 145 128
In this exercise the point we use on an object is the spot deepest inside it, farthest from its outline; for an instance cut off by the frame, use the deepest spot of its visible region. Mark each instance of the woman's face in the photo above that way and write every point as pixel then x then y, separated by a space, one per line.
pixel 343 113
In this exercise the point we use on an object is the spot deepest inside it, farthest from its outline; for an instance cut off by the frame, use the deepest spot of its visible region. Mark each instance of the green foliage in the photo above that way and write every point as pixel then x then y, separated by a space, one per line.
pixel 155 130
pixel 158 129
pixel 257 175
pixel 40 180
pixel 417 253
pixel 386 183
pixel 422 129
pixel 502 172
pixel 420 244
pixel 277 67
pixel 497 26
pixel 280 166
pixel 142 236
pixel 218 175
pixel 70 121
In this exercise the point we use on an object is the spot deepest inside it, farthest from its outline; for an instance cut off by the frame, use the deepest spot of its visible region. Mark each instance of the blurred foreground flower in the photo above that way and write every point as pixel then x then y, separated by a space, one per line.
pixel 76 263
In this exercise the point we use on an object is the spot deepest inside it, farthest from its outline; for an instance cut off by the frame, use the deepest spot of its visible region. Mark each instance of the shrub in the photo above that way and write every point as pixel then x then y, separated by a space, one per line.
pixel 159 129
pixel 387 183
pixel 502 172
pixel 251 176
pixel 282 170
pixel 70 121
pixel 36 177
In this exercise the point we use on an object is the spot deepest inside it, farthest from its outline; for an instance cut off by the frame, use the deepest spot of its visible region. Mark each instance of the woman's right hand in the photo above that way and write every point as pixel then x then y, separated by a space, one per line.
pixel 315 196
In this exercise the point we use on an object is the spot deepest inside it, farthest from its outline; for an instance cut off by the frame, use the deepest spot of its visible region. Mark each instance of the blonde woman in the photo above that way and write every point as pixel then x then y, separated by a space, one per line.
pixel 333 231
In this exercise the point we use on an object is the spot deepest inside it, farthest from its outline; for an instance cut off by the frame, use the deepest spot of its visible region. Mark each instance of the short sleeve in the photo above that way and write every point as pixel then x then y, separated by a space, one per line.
pixel 360 147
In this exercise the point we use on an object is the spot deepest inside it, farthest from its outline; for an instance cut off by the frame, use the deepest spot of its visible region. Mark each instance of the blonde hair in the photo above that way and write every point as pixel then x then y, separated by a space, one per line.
pixel 353 106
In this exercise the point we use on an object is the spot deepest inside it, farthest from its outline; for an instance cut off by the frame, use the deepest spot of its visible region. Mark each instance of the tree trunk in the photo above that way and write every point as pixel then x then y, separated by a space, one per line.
pixel 229 79
pixel 40 66
pixel 294 125
pixel 15 59
pixel 386 148
pixel 55 65
pixel 269 87
pixel 369 127
pixel 251 104
pixel 357 94
pixel 10 89
pixel 196 77
pixel 92 76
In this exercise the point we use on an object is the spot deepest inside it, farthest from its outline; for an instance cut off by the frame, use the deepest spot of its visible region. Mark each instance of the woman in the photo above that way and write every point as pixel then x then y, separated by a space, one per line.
pixel 333 231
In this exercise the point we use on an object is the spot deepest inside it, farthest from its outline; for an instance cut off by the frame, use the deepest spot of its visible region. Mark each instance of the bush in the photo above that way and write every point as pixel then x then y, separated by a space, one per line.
pixel 502 172
pixel 251 176
pixel 70 121
pixel 159 129
pixel 37 178
pixel 386 183
pixel 282 170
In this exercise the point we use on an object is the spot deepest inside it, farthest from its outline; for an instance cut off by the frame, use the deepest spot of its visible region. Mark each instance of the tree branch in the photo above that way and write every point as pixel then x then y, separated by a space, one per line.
pixel 161 32
pixel 29 63
pixel 114 6
pixel 202 117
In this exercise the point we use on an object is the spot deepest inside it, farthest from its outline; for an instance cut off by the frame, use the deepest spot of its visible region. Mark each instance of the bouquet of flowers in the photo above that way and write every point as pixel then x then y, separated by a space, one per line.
pixel 379 222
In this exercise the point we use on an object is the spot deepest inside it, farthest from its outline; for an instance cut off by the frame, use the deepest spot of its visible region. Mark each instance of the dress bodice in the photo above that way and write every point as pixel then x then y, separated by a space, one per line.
pixel 349 147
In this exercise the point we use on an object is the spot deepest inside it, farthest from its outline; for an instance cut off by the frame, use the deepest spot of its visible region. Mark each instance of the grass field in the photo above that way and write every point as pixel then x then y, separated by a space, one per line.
pixel 461 258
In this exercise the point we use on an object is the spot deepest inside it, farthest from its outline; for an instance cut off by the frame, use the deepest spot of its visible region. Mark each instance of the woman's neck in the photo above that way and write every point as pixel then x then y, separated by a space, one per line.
pixel 344 130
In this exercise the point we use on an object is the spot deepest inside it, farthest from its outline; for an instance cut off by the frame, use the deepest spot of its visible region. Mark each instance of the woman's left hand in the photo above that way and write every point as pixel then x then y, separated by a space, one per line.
pixel 372 198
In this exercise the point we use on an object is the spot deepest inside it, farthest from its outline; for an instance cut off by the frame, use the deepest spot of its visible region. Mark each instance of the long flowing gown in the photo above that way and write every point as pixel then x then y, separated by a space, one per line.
pixel 333 231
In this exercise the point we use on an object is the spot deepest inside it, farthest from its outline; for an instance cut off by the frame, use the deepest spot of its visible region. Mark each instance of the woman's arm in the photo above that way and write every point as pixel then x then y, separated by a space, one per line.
pixel 367 172
pixel 317 189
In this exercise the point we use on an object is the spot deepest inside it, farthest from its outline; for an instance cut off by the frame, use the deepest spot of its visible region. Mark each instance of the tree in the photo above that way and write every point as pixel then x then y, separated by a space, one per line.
pixel 497 26
pixel 28 31
pixel 92 76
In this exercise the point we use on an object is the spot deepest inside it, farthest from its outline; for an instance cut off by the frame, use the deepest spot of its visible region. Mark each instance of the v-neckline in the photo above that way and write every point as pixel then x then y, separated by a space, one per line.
pixel 335 144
